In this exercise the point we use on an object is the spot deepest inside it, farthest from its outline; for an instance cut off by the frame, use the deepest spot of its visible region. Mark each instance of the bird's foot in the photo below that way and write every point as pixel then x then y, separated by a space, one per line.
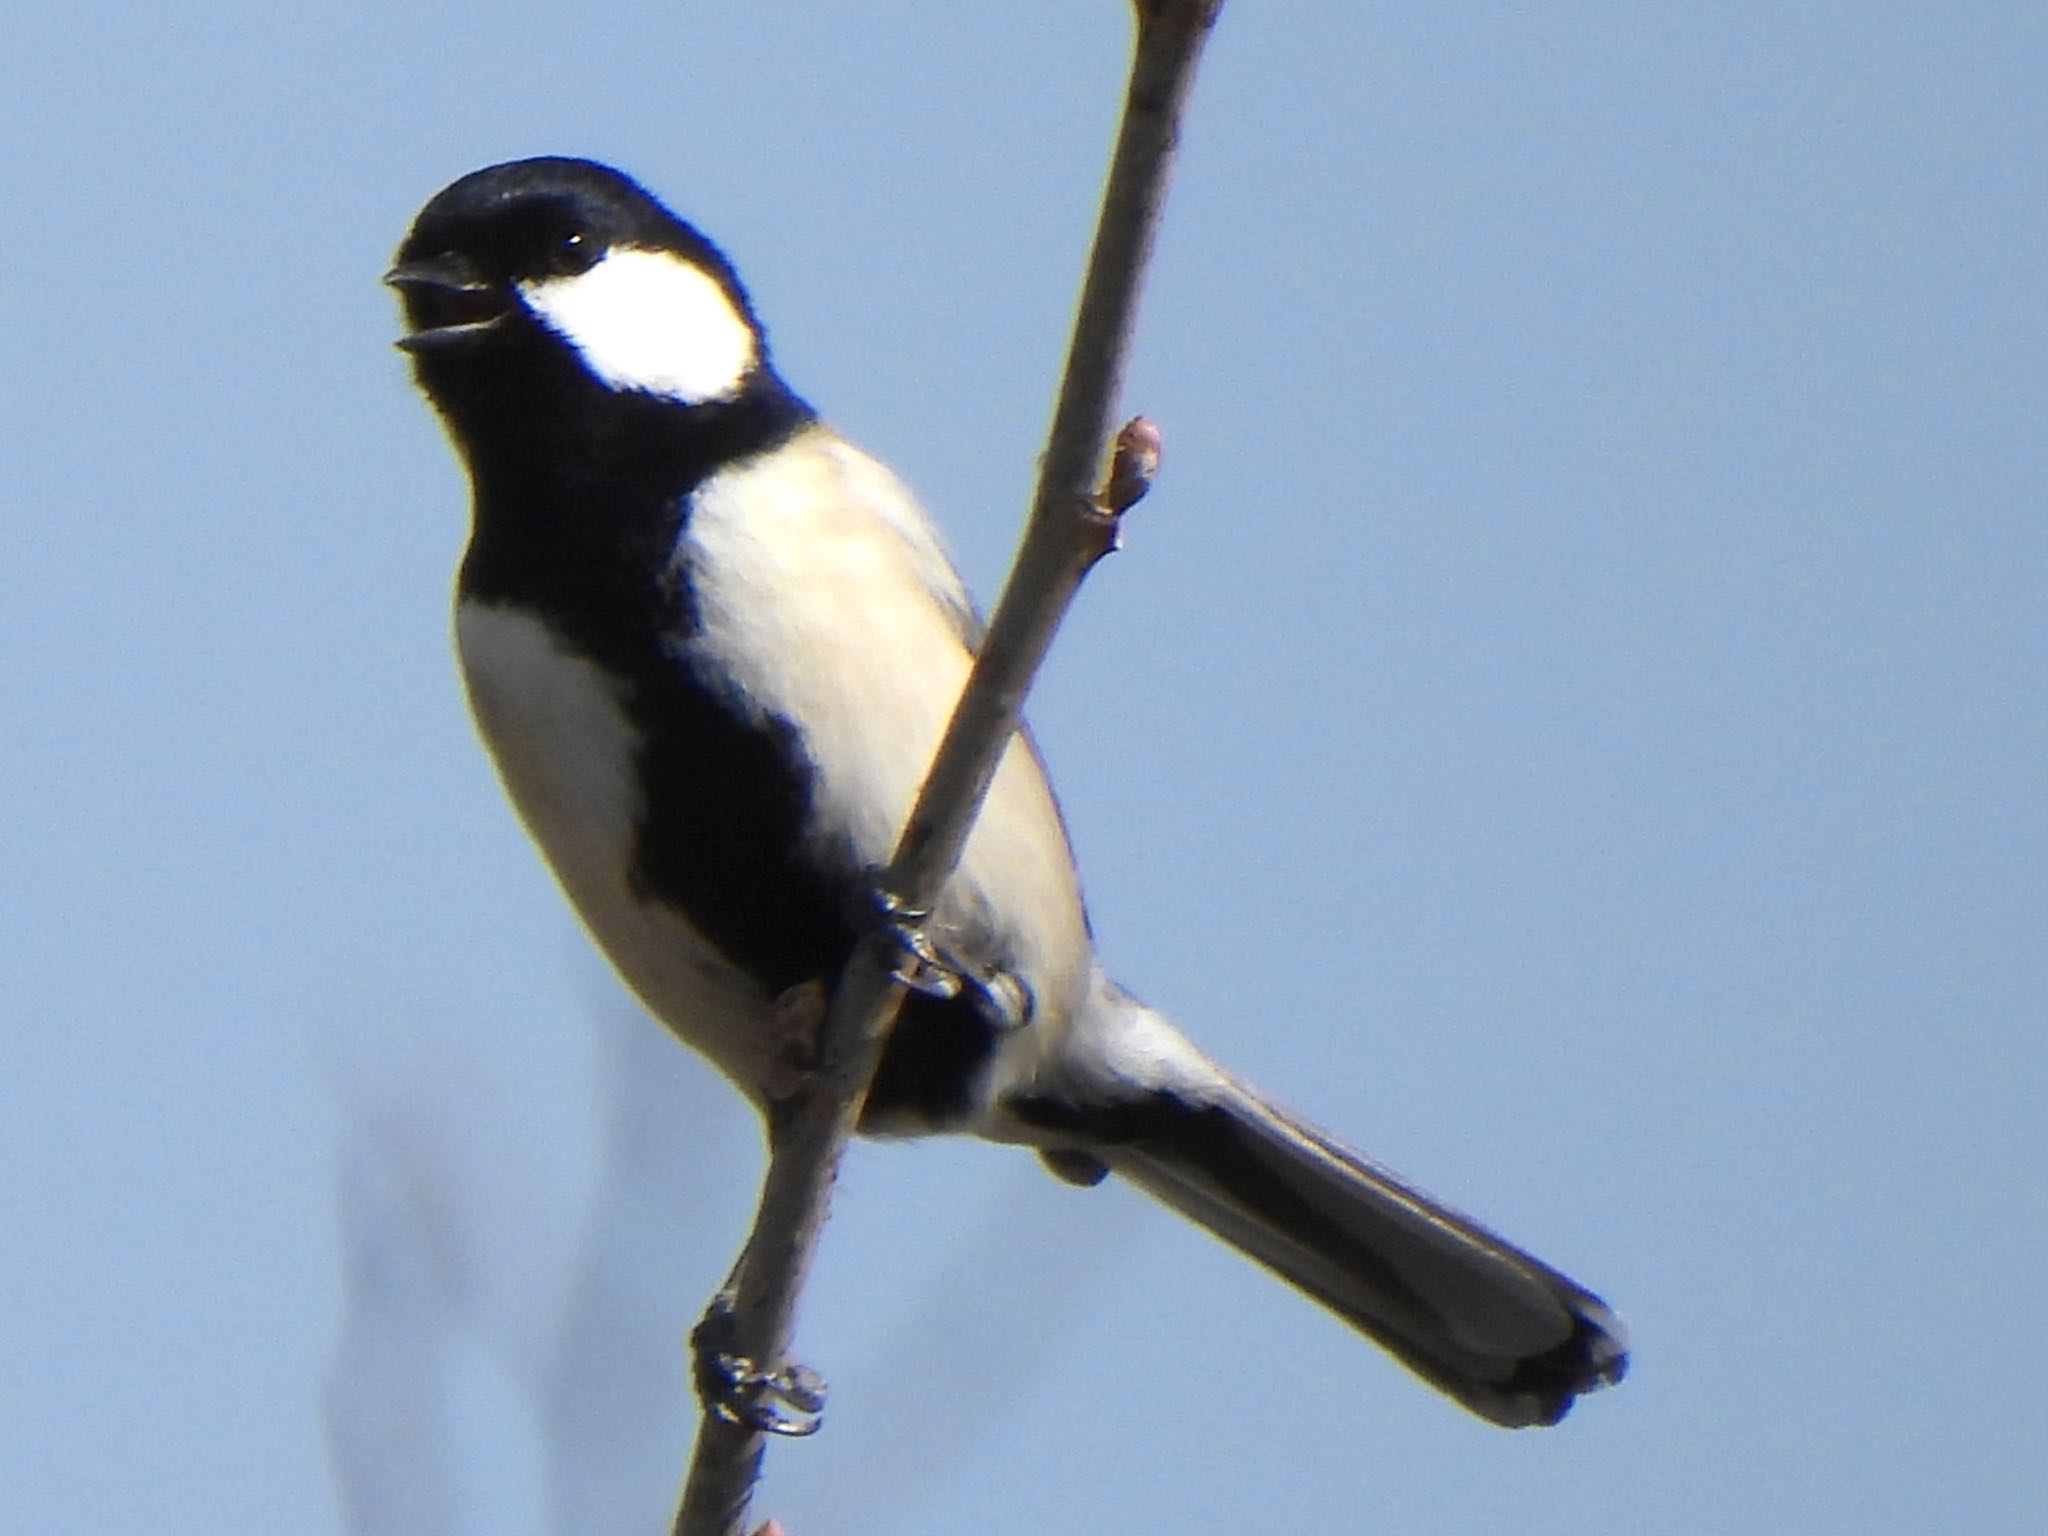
pixel 1001 997
pixel 919 964
pixel 789 1400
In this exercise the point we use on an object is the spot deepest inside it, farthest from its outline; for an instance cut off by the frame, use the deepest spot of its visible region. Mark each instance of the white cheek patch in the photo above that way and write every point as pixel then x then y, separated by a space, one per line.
pixel 647 320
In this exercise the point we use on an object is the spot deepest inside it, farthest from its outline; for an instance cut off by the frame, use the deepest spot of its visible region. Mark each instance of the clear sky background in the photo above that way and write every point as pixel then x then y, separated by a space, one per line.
pixel 1573 718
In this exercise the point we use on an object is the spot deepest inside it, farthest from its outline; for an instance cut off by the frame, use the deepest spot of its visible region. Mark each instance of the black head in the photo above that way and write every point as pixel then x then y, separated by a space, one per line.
pixel 551 273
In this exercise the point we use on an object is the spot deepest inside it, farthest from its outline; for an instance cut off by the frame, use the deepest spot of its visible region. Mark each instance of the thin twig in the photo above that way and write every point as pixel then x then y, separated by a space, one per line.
pixel 1073 524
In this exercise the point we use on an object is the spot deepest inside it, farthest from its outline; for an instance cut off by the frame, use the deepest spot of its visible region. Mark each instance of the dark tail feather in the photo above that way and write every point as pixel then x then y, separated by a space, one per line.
pixel 1504 1334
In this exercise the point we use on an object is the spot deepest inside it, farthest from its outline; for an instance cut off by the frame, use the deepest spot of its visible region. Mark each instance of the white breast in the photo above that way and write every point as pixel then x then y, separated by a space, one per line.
pixel 567 755
pixel 822 591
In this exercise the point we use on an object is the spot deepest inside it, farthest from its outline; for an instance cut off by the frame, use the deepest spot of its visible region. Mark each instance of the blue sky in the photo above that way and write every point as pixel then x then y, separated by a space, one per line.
pixel 1571 718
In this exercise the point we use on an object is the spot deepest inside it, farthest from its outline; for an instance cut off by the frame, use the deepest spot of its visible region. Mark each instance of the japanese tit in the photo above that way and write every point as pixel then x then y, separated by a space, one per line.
pixel 711 646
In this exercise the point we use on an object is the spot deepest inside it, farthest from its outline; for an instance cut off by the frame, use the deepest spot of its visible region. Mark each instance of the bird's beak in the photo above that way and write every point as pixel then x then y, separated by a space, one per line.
pixel 446 301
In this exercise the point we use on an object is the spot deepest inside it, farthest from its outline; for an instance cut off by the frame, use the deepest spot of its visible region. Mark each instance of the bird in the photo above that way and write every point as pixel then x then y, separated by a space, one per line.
pixel 711 646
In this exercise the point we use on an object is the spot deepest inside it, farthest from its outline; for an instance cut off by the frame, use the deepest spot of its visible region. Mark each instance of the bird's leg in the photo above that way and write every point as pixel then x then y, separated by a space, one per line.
pixel 788 1400
pixel 798 1017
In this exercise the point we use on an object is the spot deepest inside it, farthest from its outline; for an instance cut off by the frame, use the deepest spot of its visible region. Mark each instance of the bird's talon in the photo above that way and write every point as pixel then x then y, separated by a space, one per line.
pixel 802 1389
pixel 1002 999
pixel 734 1389
pixel 789 1402
pixel 919 964
pixel 1006 1000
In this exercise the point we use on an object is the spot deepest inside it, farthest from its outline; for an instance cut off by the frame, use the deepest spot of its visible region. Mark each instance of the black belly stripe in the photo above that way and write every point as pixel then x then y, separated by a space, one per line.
pixel 931 1069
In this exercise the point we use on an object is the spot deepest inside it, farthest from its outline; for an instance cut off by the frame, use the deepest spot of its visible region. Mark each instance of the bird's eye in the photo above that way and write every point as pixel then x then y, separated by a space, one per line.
pixel 574 252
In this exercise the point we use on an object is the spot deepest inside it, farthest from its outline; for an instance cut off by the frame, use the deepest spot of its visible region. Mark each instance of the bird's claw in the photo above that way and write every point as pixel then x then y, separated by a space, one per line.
pixel 919 963
pixel 1004 999
pixel 1001 998
pixel 734 1389
pixel 788 1402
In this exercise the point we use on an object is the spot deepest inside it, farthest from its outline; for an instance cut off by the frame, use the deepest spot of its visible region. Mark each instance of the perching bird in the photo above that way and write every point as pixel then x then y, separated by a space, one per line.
pixel 712 645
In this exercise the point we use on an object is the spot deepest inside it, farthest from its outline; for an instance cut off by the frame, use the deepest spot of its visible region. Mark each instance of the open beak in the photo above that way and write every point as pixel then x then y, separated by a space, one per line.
pixel 445 302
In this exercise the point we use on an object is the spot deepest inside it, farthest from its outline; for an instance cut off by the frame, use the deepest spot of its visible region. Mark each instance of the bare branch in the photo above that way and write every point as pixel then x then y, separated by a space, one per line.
pixel 1074 520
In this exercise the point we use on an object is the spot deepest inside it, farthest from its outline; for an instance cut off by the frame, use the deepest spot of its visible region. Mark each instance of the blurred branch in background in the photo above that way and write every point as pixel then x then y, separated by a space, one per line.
pixel 510 1233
